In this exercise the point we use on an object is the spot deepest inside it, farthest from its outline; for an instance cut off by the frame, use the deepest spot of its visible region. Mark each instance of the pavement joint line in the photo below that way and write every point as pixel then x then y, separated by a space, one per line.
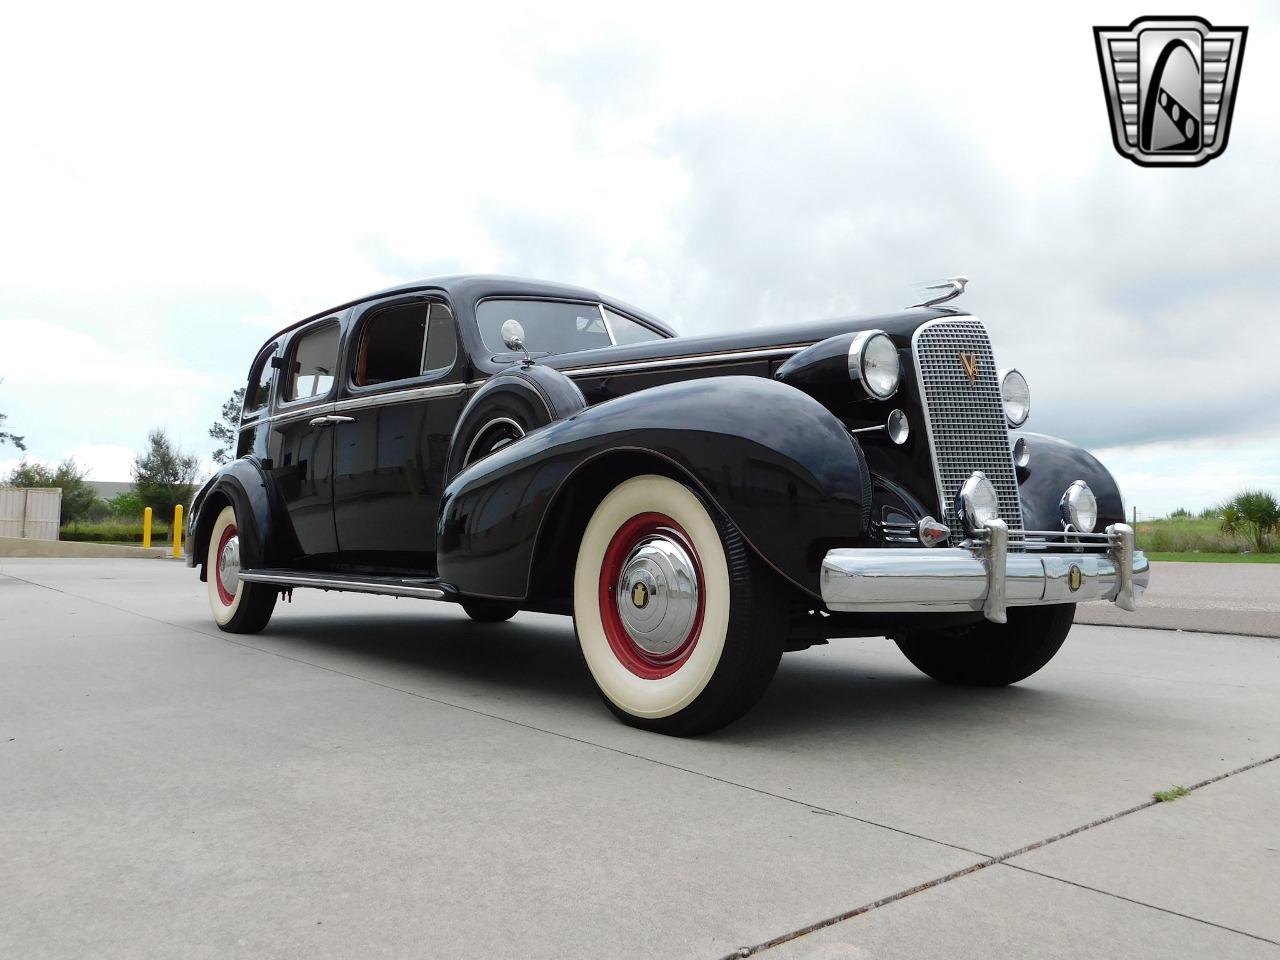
pixel 518 723
pixel 1142 903
pixel 818 925
pixel 993 861
pixel 1212 633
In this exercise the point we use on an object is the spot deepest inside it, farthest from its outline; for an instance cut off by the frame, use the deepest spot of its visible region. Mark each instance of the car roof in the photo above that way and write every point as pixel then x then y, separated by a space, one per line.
pixel 470 288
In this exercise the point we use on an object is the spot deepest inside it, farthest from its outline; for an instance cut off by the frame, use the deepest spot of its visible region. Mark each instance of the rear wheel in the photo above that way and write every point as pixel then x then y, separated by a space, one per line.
pixel 238 607
pixel 992 654
pixel 680 625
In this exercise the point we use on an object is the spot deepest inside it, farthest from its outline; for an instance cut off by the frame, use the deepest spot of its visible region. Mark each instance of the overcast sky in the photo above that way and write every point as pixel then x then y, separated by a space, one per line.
pixel 178 181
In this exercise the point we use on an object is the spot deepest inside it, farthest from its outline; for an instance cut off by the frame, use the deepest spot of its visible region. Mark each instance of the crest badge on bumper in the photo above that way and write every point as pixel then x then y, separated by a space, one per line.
pixel 1170 84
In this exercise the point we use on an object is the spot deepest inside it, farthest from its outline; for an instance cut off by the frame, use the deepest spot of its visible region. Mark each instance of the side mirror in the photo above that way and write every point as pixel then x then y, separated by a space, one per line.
pixel 513 338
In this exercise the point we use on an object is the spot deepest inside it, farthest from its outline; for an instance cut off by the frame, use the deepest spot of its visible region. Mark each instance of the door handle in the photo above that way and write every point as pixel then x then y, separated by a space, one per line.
pixel 331 418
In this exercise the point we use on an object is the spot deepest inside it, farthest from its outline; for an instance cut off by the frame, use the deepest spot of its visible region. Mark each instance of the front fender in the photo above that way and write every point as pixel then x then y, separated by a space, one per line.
pixel 774 461
pixel 1053 465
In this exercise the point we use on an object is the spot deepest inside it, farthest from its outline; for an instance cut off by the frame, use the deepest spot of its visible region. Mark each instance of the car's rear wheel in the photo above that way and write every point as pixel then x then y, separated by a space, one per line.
pixel 680 625
pixel 238 606
pixel 992 654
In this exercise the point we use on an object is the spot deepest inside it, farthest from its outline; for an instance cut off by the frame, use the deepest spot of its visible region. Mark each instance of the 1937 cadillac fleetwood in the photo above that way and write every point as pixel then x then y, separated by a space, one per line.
pixel 699 505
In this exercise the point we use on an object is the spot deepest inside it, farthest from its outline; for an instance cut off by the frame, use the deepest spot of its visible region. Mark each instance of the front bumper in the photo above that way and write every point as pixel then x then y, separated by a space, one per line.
pixel 985 576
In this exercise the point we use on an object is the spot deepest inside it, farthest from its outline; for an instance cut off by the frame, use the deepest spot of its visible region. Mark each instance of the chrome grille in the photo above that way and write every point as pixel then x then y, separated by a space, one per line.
pixel 967 428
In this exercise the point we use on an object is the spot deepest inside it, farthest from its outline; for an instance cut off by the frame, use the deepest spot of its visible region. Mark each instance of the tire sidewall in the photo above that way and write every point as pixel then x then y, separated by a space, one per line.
pixel 636 696
pixel 222 613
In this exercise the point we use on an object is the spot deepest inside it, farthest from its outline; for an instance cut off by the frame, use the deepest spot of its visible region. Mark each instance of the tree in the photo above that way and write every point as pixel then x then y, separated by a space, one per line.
pixel 163 475
pixel 7 437
pixel 227 427
pixel 1254 513
pixel 79 500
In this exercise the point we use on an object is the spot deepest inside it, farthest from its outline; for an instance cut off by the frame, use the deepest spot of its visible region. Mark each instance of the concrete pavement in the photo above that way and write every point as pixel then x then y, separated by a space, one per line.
pixel 379 777
pixel 1238 598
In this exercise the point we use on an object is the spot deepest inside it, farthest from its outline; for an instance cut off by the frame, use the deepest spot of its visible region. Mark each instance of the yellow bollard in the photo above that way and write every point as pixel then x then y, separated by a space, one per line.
pixel 146 528
pixel 177 530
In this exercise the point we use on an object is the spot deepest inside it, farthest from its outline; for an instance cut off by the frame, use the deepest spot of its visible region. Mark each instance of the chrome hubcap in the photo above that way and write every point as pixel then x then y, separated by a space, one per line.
pixel 229 565
pixel 658 595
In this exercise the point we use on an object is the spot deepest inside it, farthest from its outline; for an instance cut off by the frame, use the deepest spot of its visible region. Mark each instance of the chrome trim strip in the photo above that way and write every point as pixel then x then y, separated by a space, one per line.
pixel 376 400
pixel 691 360
pixel 404 588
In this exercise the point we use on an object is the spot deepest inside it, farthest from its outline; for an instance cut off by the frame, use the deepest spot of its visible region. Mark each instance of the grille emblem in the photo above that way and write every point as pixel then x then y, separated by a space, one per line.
pixel 970 363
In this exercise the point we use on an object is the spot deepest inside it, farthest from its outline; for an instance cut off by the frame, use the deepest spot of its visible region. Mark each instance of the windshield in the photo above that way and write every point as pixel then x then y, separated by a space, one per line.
pixel 554 326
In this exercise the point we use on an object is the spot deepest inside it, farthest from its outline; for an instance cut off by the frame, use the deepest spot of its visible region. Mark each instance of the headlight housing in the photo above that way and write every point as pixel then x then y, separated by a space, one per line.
pixel 1079 507
pixel 873 362
pixel 1016 396
pixel 977 501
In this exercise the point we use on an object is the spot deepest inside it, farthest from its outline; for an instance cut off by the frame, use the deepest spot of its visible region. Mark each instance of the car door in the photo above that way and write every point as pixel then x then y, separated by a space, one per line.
pixel 301 444
pixel 402 392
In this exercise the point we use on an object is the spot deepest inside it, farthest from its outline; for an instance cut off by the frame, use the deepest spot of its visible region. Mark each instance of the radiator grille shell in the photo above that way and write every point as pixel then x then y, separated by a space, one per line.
pixel 964 420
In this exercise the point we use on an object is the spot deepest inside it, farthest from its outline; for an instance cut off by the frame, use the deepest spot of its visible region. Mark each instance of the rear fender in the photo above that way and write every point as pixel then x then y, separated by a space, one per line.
pixel 242 484
pixel 774 461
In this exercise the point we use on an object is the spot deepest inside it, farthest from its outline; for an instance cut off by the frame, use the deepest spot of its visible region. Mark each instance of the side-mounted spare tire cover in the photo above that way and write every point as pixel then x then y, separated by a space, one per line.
pixel 509 405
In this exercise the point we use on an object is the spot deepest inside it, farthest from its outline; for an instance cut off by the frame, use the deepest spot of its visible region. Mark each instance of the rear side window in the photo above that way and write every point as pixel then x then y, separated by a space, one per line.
pixel 259 391
pixel 314 356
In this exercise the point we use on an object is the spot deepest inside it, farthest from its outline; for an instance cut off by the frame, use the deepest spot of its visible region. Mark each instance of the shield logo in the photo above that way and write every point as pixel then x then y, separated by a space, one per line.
pixel 1170 84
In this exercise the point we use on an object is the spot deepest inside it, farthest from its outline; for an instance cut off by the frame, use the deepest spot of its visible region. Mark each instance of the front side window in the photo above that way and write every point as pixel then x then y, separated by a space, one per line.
pixel 314 357
pixel 259 391
pixel 550 326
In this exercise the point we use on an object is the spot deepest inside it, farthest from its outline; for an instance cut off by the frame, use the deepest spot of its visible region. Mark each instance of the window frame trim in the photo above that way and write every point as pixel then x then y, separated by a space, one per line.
pixel 352 389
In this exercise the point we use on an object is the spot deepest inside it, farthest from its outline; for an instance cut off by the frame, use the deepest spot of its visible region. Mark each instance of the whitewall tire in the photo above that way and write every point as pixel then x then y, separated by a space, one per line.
pixel 680 626
pixel 237 606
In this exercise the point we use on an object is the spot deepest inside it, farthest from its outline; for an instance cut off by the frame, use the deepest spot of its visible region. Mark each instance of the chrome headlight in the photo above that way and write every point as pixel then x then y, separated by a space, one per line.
pixel 1016 396
pixel 873 362
pixel 1079 507
pixel 977 501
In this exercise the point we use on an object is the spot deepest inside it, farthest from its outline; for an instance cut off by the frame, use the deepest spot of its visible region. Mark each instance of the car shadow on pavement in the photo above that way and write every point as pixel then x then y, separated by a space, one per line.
pixel 863 688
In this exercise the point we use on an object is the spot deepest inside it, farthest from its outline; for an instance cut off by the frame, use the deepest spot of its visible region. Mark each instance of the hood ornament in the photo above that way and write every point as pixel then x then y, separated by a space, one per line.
pixel 954 286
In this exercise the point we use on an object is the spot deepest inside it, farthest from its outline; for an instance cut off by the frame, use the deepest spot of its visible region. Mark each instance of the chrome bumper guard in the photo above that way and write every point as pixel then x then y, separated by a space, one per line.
pixel 984 576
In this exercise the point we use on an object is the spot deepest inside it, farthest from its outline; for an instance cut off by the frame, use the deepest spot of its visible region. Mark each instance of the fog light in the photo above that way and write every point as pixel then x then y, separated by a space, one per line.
pixel 977 502
pixel 1079 507
pixel 1021 453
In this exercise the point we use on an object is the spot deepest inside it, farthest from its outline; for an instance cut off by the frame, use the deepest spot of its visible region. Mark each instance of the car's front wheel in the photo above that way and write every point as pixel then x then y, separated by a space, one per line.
pixel 680 625
pixel 238 606
pixel 992 654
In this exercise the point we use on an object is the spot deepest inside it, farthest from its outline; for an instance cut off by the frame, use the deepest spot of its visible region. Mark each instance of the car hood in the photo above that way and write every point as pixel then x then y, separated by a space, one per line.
pixel 900 326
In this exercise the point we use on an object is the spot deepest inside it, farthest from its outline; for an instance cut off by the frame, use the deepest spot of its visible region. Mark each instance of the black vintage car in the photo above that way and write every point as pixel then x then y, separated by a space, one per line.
pixel 699 505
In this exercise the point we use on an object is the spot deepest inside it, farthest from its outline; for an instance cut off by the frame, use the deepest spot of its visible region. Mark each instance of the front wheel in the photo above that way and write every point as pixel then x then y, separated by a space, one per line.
pixel 680 625
pixel 992 654
pixel 238 606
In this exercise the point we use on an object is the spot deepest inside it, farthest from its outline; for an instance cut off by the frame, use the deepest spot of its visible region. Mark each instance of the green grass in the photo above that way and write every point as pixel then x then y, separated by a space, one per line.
pixel 1173 793
pixel 1194 556
pixel 1195 538
pixel 114 531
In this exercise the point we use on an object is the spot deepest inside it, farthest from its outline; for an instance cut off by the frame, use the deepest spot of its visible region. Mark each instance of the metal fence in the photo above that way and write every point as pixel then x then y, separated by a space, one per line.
pixel 30 512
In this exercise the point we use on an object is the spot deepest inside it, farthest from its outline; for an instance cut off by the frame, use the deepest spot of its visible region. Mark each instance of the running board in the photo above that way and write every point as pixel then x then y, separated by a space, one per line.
pixel 425 588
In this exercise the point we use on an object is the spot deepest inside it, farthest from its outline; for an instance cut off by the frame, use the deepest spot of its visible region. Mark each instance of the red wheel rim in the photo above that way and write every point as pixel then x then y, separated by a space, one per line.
pixel 228 597
pixel 636 659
